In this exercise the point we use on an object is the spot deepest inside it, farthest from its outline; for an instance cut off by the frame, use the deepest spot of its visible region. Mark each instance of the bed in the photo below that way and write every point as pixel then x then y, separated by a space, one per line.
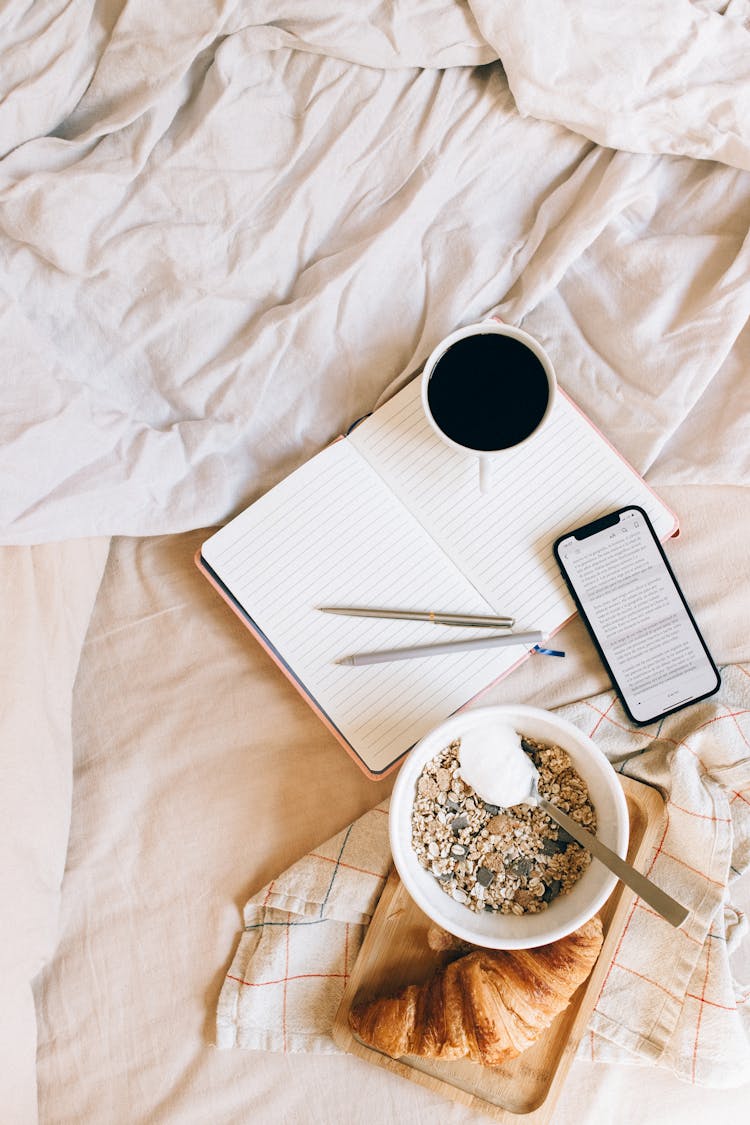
pixel 227 231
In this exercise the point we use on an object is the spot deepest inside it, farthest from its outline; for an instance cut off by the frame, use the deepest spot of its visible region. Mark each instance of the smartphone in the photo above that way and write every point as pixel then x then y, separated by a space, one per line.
pixel 636 613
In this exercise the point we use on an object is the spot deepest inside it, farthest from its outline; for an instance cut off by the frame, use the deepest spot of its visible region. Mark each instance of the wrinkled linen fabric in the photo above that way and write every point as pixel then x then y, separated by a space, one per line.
pixel 47 593
pixel 229 230
pixel 642 77
pixel 200 774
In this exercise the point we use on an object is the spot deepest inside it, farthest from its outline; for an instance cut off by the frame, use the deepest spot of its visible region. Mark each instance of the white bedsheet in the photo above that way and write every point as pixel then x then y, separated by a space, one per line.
pixel 226 230
pixel 200 775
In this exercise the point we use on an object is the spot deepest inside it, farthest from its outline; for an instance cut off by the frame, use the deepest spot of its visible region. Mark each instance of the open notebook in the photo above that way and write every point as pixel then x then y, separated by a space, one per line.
pixel 390 517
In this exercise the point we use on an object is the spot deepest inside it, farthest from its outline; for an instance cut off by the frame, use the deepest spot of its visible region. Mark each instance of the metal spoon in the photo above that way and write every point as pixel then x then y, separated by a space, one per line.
pixel 673 911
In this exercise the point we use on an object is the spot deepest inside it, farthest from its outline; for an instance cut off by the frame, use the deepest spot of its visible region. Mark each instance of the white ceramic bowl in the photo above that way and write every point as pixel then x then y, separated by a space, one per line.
pixel 566 912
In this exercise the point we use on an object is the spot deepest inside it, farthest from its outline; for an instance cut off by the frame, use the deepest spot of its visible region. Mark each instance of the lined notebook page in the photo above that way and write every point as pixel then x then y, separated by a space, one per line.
pixel 502 540
pixel 333 534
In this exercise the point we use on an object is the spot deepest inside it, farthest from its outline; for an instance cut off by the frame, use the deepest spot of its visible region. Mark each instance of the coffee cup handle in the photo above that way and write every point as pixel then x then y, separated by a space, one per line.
pixel 485 474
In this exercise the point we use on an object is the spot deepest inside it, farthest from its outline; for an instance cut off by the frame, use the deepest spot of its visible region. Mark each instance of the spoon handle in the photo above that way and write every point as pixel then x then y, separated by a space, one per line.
pixel 673 911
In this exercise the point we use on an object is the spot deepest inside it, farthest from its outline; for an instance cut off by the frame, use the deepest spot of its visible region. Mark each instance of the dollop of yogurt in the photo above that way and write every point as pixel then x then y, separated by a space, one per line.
pixel 495 765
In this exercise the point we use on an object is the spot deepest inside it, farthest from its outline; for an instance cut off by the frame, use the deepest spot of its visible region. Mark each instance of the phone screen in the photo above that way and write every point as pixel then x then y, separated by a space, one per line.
pixel 637 615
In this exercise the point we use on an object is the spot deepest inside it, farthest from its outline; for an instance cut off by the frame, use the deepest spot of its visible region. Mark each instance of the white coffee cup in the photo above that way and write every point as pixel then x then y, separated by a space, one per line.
pixel 488 400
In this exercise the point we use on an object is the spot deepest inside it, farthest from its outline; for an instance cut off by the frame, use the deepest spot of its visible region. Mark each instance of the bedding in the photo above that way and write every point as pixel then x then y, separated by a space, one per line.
pixel 228 230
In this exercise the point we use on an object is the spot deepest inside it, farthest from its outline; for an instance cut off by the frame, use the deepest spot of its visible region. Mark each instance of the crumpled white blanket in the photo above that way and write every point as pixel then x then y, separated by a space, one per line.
pixel 227 230
pixel 671 998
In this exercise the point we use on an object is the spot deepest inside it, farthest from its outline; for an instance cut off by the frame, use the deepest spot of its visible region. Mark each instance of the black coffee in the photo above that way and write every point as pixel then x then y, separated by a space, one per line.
pixel 488 391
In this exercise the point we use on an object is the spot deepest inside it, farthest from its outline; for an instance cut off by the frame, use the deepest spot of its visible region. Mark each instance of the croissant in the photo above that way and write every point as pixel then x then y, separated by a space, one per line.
pixel 487 1006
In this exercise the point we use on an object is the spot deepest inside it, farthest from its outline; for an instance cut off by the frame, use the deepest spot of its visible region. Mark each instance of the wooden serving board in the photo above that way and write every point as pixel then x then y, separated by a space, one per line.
pixel 395 952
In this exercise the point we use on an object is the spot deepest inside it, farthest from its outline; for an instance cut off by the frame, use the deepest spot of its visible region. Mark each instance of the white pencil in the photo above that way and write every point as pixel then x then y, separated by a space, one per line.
pixel 444 649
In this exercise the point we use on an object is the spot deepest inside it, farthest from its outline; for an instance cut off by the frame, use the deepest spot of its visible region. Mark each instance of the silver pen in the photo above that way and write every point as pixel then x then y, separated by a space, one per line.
pixel 444 649
pixel 469 620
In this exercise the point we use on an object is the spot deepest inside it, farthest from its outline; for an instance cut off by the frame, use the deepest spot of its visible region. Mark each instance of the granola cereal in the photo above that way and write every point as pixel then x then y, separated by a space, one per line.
pixel 514 860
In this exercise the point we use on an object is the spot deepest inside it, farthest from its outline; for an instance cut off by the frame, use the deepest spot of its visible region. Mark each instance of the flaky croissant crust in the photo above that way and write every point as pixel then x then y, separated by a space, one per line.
pixel 487 1006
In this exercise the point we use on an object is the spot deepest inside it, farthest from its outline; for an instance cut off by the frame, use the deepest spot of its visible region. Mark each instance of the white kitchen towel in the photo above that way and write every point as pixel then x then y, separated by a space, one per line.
pixel 669 998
